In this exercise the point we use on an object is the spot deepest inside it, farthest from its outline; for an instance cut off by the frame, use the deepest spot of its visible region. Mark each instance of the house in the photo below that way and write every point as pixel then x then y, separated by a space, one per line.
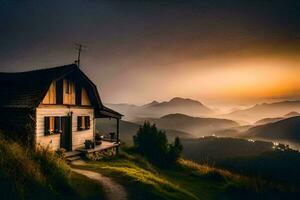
pixel 54 107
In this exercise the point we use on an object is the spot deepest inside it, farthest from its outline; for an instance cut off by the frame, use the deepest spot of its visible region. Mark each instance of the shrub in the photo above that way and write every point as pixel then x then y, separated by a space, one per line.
pixel 58 172
pixel 153 143
pixel 175 151
pixel 61 153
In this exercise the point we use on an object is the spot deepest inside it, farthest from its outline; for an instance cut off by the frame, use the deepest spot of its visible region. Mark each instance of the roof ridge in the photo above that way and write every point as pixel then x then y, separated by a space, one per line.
pixel 42 69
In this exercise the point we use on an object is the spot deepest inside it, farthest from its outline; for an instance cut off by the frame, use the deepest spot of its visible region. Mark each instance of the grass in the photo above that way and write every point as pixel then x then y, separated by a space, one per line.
pixel 187 180
pixel 20 175
pixel 141 179
pixel 86 189
pixel 40 174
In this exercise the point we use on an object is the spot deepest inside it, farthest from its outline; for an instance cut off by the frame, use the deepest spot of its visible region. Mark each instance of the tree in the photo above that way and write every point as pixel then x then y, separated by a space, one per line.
pixel 153 143
pixel 175 151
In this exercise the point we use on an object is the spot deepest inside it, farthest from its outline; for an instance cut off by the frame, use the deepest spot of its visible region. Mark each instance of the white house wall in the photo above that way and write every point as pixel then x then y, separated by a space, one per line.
pixel 78 137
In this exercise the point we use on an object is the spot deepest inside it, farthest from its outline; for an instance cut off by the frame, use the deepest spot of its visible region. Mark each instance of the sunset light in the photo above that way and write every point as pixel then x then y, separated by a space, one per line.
pixel 150 100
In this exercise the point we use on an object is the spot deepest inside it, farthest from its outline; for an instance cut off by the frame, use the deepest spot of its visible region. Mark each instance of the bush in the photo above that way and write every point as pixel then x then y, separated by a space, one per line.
pixel 153 143
pixel 61 153
pixel 175 151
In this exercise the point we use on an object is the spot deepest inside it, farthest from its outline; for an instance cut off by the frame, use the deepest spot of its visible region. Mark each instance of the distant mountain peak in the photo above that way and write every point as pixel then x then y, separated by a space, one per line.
pixel 151 104
pixel 175 115
pixel 184 100
pixel 154 102
pixel 292 114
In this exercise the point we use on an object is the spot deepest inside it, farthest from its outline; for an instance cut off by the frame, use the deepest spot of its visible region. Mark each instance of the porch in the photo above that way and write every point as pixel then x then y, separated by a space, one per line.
pixel 103 146
pixel 105 142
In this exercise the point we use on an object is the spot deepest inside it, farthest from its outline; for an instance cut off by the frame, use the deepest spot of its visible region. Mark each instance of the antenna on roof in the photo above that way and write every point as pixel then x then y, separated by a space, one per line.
pixel 79 48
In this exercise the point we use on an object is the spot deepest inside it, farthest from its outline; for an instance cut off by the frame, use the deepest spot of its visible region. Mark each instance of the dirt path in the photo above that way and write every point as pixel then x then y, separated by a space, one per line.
pixel 113 190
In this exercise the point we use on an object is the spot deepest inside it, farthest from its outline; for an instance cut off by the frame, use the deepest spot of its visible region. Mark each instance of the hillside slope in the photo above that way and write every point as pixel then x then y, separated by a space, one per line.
pixel 186 180
pixel 28 174
pixel 129 129
pixel 197 126
pixel 222 148
pixel 285 129
pixel 268 120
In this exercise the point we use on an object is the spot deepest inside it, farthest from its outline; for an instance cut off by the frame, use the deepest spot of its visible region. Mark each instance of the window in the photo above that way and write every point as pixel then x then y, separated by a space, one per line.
pixel 50 97
pixel 52 125
pixel 68 92
pixel 85 101
pixel 83 122
pixel 68 87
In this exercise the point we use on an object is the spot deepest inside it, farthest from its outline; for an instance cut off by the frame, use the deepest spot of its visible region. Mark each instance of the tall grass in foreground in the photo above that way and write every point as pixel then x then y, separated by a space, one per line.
pixel 31 174
pixel 184 180
pixel 56 170
pixel 145 177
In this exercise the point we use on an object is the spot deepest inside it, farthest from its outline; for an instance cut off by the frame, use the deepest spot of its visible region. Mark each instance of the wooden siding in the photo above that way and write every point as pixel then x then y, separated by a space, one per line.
pixel 50 97
pixel 68 92
pixel 78 137
pixel 85 101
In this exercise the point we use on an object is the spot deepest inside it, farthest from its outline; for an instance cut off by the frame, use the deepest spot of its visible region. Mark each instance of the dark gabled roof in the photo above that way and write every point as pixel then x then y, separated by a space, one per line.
pixel 27 89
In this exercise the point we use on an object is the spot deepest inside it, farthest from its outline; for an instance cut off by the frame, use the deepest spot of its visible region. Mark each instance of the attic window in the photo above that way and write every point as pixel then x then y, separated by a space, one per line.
pixel 68 87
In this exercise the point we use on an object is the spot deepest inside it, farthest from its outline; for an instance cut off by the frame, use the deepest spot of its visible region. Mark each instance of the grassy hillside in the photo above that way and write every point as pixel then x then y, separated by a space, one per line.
pixel 40 174
pixel 256 159
pixel 276 166
pixel 187 180
pixel 214 148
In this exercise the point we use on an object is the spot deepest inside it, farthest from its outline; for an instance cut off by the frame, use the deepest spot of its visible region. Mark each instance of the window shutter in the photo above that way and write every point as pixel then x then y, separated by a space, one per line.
pixel 59 92
pixel 57 124
pixel 87 122
pixel 78 95
pixel 79 122
pixel 46 126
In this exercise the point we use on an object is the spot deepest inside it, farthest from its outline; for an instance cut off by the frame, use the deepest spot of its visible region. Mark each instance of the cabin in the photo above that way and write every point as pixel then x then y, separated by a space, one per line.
pixel 55 107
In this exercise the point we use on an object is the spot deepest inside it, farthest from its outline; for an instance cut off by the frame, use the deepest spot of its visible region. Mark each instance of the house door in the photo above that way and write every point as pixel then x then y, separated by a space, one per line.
pixel 66 135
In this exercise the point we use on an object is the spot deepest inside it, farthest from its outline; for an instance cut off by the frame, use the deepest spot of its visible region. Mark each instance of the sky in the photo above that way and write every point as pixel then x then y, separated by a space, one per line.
pixel 218 52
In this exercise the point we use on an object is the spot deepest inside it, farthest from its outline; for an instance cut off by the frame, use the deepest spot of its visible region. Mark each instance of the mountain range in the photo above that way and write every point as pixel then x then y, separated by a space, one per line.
pixel 190 118
pixel 197 126
pixel 265 110
pixel 286 129
pixel 276 119
pixel 157 109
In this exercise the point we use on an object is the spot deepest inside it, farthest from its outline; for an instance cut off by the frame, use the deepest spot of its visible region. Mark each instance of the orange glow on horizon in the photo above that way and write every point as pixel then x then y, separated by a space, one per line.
pixel 224 79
